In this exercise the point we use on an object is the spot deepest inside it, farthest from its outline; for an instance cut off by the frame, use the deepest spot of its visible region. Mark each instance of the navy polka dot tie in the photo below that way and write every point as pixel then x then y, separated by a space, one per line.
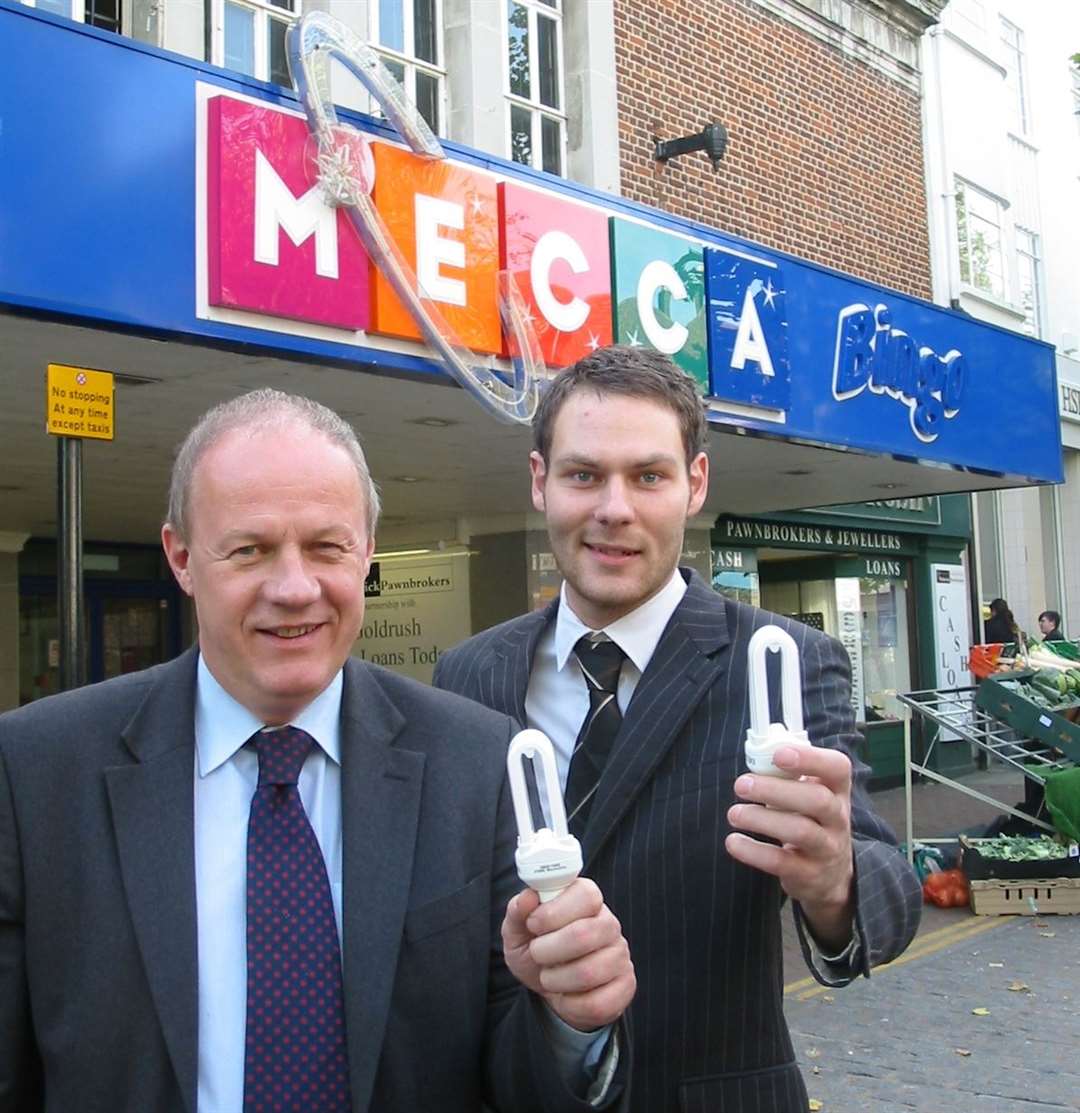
pixel 296 1059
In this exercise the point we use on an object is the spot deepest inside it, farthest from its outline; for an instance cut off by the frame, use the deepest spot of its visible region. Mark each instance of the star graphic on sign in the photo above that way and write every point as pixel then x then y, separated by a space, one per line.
pixel 594 342
pixel 477 205
pixel 770 292
pixel 634 340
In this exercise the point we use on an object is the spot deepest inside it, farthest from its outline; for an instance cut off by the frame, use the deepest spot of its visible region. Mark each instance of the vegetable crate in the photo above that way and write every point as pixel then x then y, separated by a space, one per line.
pixel 1002 696
pixel 1047 896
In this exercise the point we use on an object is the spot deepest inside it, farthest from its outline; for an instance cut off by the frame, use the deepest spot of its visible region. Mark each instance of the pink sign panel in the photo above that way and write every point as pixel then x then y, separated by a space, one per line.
pixel 558 253
pixel 274 246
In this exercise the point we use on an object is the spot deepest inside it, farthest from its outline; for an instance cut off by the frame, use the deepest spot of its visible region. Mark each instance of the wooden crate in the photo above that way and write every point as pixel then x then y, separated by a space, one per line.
pixel 1046 896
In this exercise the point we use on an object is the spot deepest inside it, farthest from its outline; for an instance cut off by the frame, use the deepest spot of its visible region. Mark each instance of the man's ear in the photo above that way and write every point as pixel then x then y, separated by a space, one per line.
pixel 538 470
pixel 178 555
pixel 699 483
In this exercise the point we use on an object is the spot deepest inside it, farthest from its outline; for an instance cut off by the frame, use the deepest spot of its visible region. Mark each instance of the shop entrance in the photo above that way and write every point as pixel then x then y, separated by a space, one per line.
pixel 129 625
pixel 867 603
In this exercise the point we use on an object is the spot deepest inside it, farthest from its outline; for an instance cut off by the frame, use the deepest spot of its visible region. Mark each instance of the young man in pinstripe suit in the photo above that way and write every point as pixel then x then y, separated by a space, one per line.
pixel 694 855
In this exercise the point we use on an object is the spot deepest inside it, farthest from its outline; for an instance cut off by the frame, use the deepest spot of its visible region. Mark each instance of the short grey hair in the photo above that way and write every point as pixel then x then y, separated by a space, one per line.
pixel 263 409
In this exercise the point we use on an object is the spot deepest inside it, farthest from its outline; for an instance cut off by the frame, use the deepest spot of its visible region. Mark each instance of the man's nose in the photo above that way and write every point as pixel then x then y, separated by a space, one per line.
pixel 615 503
pixel 291 583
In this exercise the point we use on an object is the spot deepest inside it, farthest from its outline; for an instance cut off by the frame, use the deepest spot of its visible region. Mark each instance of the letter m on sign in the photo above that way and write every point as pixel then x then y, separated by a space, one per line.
pixel 273 245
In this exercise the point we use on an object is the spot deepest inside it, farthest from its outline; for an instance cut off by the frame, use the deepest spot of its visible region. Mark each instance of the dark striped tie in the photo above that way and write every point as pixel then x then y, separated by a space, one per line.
pixel 601 661
pixel 296 1059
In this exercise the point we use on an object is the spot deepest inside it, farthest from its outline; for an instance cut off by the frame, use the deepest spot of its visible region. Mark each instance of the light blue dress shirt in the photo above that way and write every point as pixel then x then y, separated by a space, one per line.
pixel 226 775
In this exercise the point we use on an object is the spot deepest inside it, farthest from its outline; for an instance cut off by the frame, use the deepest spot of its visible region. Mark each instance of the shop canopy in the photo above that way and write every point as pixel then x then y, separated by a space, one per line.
pixel 160 218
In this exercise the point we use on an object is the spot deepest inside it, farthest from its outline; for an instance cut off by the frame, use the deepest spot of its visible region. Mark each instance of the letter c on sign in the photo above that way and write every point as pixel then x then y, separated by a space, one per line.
pixel 565 316
pixel 659 275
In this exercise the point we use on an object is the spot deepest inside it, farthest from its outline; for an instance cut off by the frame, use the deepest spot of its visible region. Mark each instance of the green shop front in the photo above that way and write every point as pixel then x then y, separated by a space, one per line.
pixel 889 579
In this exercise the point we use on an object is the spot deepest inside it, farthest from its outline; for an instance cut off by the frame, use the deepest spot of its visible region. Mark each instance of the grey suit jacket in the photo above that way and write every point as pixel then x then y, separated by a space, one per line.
pixel 704 931
pixel 98 976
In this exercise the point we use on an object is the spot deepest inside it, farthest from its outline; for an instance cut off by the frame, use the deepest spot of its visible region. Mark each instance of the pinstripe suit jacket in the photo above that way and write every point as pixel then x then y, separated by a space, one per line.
pixel 707 1024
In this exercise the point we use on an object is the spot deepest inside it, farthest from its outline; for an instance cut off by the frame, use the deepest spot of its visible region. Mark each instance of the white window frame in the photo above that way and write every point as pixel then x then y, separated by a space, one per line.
pixel 962 186
pixel 408 59
pixel 1074 77
pixel 532 103
pixel 263 12
pixel 1029 246
pixel 1012 43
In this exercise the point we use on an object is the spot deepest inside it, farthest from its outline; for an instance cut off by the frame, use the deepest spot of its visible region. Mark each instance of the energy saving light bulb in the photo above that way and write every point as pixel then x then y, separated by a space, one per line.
pixel 548 859
pixel 765 737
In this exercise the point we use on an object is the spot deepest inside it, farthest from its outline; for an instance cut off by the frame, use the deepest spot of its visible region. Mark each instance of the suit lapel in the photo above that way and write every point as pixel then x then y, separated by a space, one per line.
pixel 504 682
pixel 689 660
pixel 152 803
pixel 380 809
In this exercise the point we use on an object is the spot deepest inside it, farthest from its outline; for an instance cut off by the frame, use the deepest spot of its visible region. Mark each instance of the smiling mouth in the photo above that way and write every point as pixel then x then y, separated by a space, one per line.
pixel 614 551
pixel 291 632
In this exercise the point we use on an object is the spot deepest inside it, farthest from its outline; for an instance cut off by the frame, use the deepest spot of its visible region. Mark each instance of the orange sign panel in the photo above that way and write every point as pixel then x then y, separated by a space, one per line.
pixel 444 219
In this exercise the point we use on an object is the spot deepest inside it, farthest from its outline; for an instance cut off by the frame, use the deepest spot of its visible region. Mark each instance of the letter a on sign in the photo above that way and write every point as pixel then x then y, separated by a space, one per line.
pixel 750 339
pixel 747 327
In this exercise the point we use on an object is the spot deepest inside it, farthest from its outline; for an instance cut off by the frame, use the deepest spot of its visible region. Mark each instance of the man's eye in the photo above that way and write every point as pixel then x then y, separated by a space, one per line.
pixel 650 477
pixel 244 551
pixel 582 477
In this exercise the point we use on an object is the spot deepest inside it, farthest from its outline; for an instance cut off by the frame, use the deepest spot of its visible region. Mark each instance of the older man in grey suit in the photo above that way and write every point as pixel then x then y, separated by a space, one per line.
pixel 639 674
pixel 270 877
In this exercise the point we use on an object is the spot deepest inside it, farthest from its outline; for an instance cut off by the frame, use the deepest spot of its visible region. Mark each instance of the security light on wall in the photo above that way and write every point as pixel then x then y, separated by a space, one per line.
pixel 712 139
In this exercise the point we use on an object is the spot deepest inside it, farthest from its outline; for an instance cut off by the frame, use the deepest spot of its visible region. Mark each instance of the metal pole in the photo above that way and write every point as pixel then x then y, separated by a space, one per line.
pixel 69 580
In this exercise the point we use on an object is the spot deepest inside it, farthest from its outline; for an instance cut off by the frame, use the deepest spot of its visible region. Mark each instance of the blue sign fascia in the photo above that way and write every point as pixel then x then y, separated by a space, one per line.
pixel 100 224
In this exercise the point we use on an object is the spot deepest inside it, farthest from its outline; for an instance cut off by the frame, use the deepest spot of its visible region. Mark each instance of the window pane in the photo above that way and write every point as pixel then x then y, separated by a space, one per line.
pixel 548 61
pixel 520 134
pixel 424 34
pixel 104 14
pixel 275 51
pixel 886 666
pixel 397 69
pixel 551 139
pixel 427 99
pixel 392 24
pixel 55 7
pixel 518 49
pixel 286 4
pixel 240 39
pixel 550 3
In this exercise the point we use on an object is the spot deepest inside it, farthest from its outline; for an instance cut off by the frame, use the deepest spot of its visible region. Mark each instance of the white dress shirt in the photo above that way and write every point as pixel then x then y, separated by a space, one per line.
pixel 226 775
pixel 557 699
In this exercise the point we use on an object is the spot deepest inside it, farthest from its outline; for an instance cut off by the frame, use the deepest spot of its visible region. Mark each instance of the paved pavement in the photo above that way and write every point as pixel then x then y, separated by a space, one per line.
pixel 909 1037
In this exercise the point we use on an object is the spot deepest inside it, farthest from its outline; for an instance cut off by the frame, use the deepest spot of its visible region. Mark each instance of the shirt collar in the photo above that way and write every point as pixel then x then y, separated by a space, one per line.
pixel 637 634
pixel 222 725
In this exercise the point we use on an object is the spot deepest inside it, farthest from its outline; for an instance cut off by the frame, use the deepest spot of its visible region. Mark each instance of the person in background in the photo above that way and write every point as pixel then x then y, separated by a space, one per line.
pixel 1050 627
pixel 1000 626
pixel 638 673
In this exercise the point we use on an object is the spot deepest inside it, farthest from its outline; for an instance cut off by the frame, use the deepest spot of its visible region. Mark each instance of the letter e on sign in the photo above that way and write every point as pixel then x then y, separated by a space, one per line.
pixel 444 220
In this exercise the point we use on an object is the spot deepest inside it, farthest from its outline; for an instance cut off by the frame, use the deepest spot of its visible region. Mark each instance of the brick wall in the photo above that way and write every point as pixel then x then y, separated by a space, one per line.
pixel 824 155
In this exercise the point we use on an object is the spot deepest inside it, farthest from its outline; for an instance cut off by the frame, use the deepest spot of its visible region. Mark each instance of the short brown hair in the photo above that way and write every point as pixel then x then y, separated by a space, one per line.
pixel 632 373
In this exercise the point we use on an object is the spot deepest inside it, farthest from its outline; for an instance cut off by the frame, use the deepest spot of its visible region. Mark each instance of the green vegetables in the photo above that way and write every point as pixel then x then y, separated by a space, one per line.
pixel 1021 848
